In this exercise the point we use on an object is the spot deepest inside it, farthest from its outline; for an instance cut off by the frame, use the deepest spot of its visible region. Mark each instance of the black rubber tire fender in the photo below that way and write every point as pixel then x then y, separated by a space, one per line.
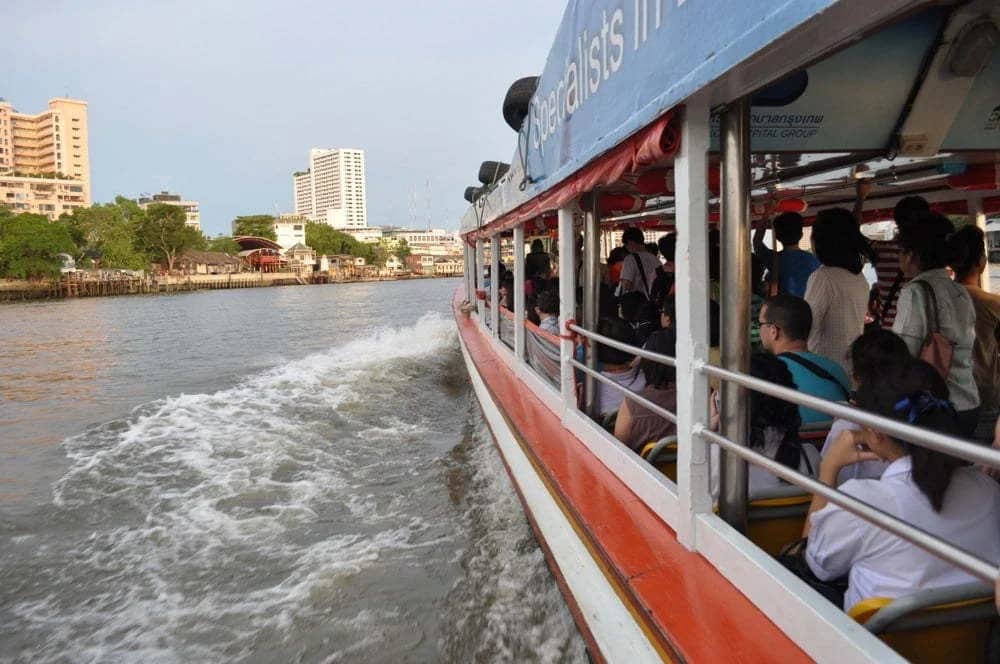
pixel 518 100
pixel 472 193
pixel 491 171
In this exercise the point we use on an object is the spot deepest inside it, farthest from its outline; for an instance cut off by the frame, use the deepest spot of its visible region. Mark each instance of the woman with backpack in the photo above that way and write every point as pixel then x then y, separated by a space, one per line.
pixel 935 315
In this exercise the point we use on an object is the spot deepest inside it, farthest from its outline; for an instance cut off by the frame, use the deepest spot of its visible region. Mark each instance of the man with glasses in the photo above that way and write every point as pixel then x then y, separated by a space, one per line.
pixel 785 322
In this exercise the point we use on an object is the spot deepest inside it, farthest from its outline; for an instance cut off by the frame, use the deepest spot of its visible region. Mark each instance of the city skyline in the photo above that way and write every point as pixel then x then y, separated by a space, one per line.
pixel 227 118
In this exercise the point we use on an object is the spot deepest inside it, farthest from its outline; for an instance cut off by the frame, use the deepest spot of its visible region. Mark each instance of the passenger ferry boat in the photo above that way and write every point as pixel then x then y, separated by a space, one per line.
pixel 691 115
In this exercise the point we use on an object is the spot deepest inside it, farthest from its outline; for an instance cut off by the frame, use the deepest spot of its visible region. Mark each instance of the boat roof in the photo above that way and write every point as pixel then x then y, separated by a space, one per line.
pixel 829 78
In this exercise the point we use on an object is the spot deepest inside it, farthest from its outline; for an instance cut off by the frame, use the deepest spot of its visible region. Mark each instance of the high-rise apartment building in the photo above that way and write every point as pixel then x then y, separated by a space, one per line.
pixel 45 158
pixel 332 191
pixel 192 214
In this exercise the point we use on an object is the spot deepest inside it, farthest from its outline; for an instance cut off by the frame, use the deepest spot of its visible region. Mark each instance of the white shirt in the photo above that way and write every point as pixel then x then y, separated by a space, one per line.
pixel 957 318
pixel 759 479
pixel 839 301
pixel 864 470
pixel 630 272
pixel 608 398
pixel 879 564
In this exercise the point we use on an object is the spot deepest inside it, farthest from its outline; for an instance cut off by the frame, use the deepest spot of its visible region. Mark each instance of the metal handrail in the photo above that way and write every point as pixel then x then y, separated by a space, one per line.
pixel 934 440
pixel 635 396
pixel 634 350
pixel 926 541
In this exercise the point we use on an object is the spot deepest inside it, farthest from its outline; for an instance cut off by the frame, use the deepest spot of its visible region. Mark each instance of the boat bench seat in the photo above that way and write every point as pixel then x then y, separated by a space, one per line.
pixel 774 518
pixel 952 624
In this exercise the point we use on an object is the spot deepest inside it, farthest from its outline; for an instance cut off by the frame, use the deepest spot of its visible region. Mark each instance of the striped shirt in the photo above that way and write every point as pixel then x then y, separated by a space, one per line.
pixel 887 271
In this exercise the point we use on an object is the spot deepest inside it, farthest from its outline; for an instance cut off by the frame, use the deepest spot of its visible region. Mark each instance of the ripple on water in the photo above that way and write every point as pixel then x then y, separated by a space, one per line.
pixel 292 517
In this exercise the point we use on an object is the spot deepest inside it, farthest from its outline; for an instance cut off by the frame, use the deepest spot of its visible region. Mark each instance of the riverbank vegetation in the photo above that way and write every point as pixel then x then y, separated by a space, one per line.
pixel 121 235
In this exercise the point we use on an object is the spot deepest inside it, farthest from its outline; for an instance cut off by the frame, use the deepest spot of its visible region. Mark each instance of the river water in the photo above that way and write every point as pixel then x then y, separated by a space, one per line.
pixel 290 474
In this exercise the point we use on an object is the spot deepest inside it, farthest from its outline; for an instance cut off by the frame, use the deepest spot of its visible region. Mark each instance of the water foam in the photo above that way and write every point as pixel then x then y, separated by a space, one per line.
pixel 200 519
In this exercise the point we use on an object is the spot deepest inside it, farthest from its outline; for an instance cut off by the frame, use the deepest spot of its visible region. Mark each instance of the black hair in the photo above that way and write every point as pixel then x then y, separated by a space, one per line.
pixel 631 304
pixel 788 228
pixel 657 374
pixel 633 234
pixel 619 330
pixel 909 209
pixel 767 412
pixel 878 351
pixel 537 246
pixel 968 249
pixel 652 247
pixel 548 302
pixel 791 314
pixel 667 245
pixel 617 255
pixel 917 394
pixel 927 240
pixel 838 241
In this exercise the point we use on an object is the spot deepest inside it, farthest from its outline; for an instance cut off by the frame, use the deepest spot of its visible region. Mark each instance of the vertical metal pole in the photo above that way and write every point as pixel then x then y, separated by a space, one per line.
pixel 468 269
pixel 691 266
pixel 978 217
pixel 735 305
pixel 480 279
pixel 591 293
pixel 495 286
pixel 519 291
pixel 567 303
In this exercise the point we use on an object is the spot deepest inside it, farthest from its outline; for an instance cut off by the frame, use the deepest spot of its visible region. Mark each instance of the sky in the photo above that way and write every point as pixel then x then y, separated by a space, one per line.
pixel 221 100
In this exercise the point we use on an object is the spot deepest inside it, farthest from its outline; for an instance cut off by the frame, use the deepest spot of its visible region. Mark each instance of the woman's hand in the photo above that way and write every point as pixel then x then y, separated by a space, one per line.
pixel 849 447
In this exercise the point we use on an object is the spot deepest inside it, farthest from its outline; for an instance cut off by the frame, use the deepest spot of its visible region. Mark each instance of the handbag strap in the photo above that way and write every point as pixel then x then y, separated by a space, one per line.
pixel 893 292
pixel 642 274
pixel 819 371
pixel 933 322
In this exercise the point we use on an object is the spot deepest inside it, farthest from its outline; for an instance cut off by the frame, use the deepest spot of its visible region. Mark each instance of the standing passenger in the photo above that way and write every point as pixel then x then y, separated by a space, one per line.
pixel 795 266
pixel 639 267
pixel 538 261
pixel 890 278
pixel 931 296
pixel 969 244
pixel 837 292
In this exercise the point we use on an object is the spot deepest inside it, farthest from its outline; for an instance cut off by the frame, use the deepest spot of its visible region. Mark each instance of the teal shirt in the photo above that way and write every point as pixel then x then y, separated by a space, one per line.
pixel 809 383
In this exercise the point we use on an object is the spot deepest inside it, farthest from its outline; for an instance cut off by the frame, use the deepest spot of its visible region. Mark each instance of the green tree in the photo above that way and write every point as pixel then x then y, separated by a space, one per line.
pixel 324 239
pixel 224 244
pixel 106 234
pixel 30 244
pixel 163 235
pixel 258 225
pixel 402 250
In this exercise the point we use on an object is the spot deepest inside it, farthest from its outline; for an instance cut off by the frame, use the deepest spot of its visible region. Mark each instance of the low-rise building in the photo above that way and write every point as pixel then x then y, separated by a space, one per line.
pixel 194 261
pixel 448 267
pixel 433 242
pixel 367 235
pixel 301 257
pixel 289 230
pixel 192 213
pixel 420 263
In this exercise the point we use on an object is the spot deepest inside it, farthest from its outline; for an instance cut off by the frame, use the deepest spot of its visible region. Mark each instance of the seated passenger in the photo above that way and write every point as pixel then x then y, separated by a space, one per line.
pixel 875 352
pixel 547 308
pixel 635 311
pixel 774 429
pixel 937 493
pixel 616 365
pixel 636 424
pixel 785 323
